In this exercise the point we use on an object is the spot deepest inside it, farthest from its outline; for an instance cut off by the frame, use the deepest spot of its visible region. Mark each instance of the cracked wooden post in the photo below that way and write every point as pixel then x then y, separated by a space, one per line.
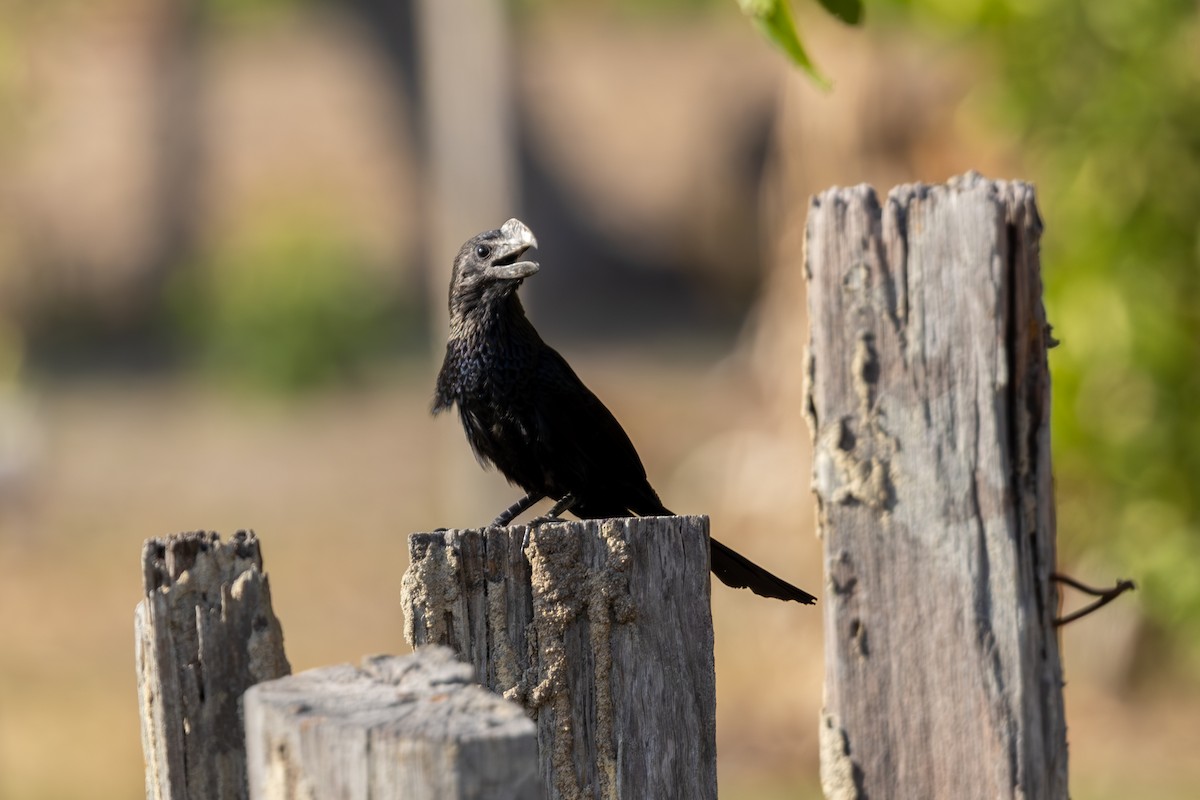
pixel 205 632
pixel 929 402
pixel 415 727
pixel 604 634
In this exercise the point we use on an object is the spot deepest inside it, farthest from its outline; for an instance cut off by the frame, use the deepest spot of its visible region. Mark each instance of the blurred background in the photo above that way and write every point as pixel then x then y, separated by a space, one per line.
pixel 226 229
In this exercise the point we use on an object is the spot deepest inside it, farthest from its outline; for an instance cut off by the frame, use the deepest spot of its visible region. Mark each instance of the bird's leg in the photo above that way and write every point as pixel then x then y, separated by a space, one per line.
pixel 564 504
pixel 556 511
pixel 516 509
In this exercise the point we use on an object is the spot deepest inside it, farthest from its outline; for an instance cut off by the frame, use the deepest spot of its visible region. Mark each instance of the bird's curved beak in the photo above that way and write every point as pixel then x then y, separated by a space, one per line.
pixel 516 238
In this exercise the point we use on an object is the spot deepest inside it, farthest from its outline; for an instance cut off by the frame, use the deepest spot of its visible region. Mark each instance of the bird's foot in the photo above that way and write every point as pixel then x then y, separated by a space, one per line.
pixel 538 522
pixel 553 515
pixel 533 525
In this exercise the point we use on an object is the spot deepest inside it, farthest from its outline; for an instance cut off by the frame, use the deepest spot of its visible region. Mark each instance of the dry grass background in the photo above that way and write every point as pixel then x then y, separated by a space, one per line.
pixel 334 484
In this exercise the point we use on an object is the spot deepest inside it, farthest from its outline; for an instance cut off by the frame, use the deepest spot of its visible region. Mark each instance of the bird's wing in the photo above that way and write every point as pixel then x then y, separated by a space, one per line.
pixel 589 452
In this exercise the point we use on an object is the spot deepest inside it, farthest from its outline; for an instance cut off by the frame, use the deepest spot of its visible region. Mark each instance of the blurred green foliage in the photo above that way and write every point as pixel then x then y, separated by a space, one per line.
pixel 774 19
pixel 289 306
pixel 1104 96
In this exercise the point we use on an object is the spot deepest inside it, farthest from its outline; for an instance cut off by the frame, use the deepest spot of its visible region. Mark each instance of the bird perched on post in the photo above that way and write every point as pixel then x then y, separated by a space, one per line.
pixel 526 412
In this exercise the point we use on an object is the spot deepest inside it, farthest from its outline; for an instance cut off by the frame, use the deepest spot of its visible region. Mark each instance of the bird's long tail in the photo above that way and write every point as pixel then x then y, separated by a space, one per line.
pixel 734 569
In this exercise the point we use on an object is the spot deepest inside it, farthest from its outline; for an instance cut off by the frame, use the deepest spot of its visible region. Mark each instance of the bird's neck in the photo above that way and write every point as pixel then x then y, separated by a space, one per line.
pixel 493 320
pixel 489 336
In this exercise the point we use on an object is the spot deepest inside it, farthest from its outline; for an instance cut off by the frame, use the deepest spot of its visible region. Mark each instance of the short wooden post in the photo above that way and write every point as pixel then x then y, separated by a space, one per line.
pixel 929 402
pixel 604 633
pixel 416 727
pixel 205 632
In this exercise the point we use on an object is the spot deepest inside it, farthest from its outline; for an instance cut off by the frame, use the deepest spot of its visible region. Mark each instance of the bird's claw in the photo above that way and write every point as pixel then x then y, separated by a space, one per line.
pixel 533 525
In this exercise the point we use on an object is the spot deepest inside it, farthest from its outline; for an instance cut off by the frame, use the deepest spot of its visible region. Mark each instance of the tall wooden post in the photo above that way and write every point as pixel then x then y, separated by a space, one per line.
pixel 205 632
pixel 929 402
pixel 602 629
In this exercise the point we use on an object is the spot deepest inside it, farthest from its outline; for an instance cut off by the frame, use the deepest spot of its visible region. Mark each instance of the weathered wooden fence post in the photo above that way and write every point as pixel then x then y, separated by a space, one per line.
pixel 415 727
pixel 205 632
pixel 604 633
pixel 929 403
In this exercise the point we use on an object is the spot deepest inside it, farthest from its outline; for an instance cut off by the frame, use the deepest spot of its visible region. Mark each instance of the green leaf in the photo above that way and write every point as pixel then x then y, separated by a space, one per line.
pixel 757 8
pixel 848 11
pixel 775 21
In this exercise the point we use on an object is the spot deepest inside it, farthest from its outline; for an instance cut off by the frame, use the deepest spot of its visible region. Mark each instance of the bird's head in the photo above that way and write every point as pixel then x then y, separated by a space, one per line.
pixel 488 267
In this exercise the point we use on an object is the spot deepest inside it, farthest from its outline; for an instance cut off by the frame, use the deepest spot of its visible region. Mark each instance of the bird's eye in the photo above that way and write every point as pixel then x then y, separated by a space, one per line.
pixel 483 250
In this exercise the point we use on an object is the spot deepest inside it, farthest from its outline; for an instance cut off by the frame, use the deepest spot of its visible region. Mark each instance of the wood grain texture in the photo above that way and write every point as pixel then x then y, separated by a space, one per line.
pixel 604 634
pixel 415 727
pixel 205 631
pixel 929 402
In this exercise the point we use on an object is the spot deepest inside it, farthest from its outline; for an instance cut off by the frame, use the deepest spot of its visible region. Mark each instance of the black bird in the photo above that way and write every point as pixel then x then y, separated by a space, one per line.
pixel 525 411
